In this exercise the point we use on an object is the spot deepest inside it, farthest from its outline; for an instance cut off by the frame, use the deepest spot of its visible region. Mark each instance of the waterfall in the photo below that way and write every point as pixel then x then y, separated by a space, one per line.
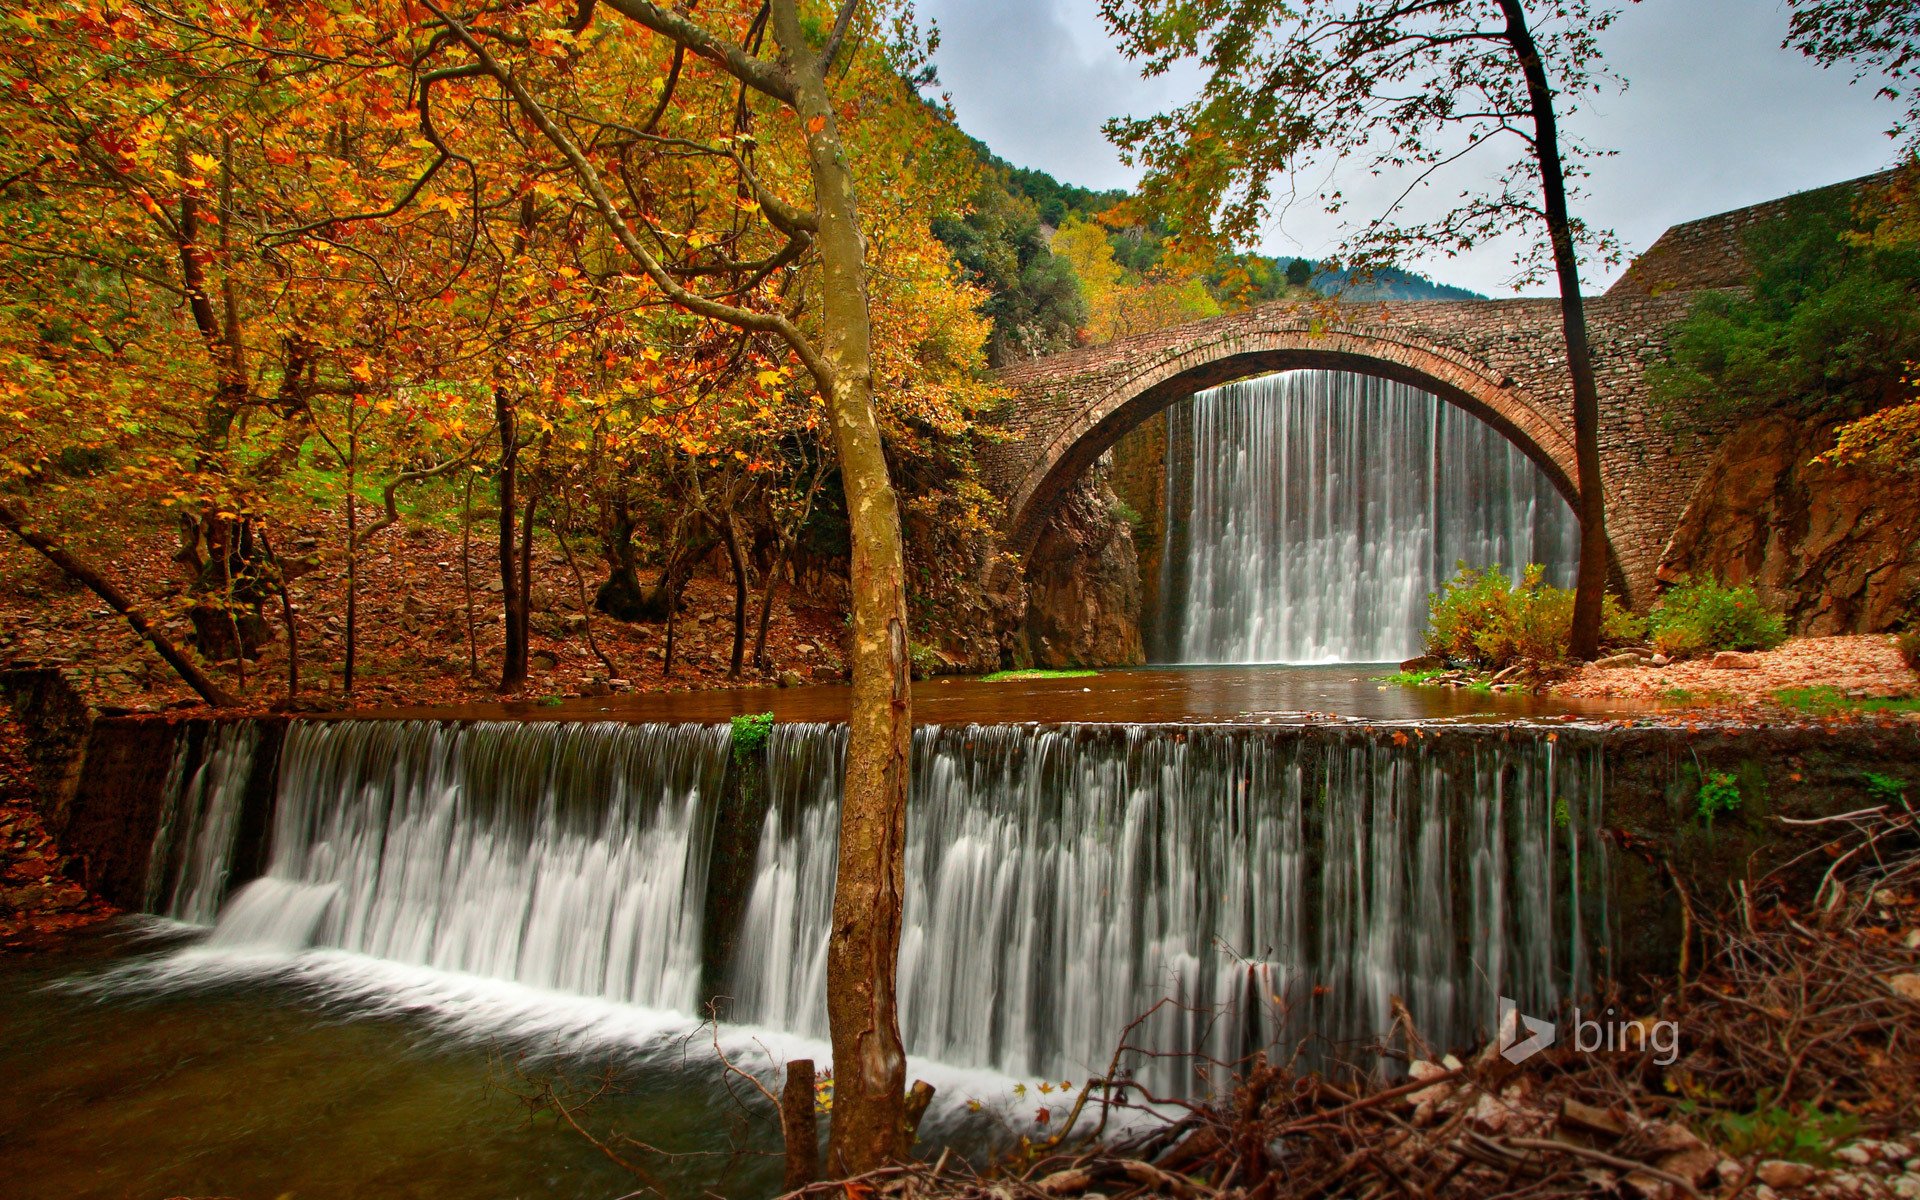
pixel 563 856
pixel 199 821
pixel 1262 888
pixel 1310 513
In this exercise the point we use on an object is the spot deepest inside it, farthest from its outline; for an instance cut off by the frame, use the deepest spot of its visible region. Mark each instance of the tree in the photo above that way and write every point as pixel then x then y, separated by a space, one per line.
pixel 1879 39
pixel 531 59
pixel 1398 86
pixel 1825 329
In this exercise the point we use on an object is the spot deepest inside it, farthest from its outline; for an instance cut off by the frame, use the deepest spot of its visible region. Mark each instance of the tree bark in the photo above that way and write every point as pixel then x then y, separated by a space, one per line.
pixel 513 659
pixel 737 562
pixel 117 600
pixel 1591 583
pixel 863 950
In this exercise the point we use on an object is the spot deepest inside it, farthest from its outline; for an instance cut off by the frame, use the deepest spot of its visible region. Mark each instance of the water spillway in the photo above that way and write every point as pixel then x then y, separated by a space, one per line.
pixel 1264 887
pixel 1310 513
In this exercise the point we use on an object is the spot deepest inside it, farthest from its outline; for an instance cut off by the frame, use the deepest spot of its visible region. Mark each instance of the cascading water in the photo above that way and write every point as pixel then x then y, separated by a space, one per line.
pixel 1062 882
pixel 1273 885
pixel 564 856
pixel 1310 513
pixel 199 821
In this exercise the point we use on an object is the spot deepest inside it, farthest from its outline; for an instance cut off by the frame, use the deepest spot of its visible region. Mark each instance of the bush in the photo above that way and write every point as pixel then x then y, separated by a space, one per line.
pixel 1909 646
pixel 1699 616
pixel 1483 618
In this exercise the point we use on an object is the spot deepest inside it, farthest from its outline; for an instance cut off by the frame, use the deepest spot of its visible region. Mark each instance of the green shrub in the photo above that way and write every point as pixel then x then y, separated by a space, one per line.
pixel 1699 616
pixel 1909 646
pixel 1483 618
pixel 750 733
pixel 1720 793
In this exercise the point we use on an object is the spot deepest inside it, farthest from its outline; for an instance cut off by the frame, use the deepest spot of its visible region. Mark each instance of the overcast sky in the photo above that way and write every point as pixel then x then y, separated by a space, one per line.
pixel 1716 116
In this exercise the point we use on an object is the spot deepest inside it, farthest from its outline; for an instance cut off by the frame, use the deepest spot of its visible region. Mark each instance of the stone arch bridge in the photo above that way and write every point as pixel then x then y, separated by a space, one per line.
pixel 1502 360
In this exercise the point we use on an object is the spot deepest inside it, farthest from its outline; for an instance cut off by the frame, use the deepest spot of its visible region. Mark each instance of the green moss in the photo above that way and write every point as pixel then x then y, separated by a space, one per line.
pixel 1885 788
pixel 1828 701
pixel 750 734
pixel 1035 673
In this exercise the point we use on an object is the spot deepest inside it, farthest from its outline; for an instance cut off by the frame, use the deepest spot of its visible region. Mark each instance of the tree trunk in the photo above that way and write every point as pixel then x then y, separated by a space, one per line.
pixel 737 561
pixel 117 600
pixel 513 660
pixel 863 950
pixel 1590 588
pixel 466 576
pixel 353 561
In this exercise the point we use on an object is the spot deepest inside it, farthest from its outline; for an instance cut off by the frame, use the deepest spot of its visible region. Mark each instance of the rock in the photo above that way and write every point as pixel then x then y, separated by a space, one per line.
pixel 1660 660
pixel 1905 985
pixel 1695 1166
pixel 598 687
pixel 1779 1173
pixel 1421 663
pixel 1853 1156
pixel 1084 594
pixel 540 660
pixel 1575 1115
pixel 1851 562
pixel 1913 939
pixel 620 685
pixel 791 679
pixel 1665 1137
pixel 1613 661
pixel 1733 660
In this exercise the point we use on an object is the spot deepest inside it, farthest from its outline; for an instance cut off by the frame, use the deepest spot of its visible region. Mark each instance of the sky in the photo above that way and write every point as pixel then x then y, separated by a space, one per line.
pixel 1715 116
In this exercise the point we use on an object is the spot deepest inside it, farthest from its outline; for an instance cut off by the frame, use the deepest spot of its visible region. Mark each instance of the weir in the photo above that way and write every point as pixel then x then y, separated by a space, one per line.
pixel 1310 514
pixel 1264 887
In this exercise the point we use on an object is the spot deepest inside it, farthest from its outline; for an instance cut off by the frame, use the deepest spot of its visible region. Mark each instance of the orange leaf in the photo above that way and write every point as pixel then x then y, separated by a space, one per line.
pixel 816 124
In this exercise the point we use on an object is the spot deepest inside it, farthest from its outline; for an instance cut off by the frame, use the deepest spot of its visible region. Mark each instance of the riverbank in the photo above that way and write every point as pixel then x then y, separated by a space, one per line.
pixel 1814 675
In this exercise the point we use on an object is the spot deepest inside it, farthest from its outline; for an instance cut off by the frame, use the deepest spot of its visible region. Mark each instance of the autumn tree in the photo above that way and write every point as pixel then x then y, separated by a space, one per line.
pixel 1878 40
pixel 1403 87
pixel 784 64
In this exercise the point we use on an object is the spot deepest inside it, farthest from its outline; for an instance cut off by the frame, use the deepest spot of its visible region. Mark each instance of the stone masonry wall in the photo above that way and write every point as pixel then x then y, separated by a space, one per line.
pixel 1504 360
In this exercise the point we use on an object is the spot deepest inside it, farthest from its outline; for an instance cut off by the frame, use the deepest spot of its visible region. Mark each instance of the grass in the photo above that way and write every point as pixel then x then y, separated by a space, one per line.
pixel 1035 673
pixel 1827 701
pixel 1413 678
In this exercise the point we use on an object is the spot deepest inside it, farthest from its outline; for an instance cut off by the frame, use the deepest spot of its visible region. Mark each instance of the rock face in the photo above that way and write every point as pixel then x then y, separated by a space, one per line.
pixel 1836 548
pixel 1083 583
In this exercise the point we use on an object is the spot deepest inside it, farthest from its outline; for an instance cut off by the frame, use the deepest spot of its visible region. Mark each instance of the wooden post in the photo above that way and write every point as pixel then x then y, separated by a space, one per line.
pixel 799 1126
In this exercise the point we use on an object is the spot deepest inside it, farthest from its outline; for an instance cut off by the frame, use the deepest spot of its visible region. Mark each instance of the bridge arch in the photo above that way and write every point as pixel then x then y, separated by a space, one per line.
pixel 1103 405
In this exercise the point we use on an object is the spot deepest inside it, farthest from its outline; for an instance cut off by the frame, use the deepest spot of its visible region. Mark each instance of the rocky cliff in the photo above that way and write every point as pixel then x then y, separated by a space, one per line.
pixel 1837 548
pixel 1083 583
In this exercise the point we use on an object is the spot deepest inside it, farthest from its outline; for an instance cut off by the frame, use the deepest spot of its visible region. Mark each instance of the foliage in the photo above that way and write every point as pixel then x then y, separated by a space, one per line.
pixel 1484 618
pixel 750 734
pixel 1826 328
pixel 1880 40
pixel 1699 616
pixel 1887 440
pixel 1908 644
pixel 1719 794
pixel 1413 678
pixel 1800 1133
pixel 1394 89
